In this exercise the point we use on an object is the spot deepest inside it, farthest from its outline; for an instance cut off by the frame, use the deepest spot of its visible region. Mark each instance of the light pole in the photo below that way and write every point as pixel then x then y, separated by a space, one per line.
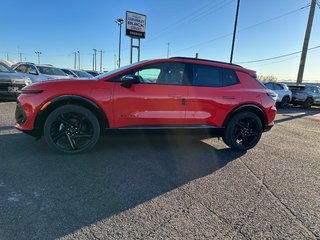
pixel 119 21
pixel 78 59
pixel 38 53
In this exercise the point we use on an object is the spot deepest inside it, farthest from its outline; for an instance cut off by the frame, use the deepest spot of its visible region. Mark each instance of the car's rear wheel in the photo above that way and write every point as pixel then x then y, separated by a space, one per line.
pixel 243 131
pixel 71 129
pixel 285 102
pixel 308 103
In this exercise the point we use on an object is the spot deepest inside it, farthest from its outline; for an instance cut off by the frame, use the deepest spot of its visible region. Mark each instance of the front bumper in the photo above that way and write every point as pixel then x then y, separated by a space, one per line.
pixel 10 90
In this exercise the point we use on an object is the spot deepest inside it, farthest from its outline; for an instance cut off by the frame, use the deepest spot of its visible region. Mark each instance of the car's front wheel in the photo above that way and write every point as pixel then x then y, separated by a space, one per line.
pixel 243 131
pixel 71 129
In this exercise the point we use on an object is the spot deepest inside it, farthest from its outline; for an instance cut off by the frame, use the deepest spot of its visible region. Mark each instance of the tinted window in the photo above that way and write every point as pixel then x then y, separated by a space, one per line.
pixel 229 77
pixel 207 76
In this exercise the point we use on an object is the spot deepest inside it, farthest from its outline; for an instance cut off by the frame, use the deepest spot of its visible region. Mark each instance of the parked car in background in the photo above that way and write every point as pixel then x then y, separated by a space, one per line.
pixel 77 73
pixel 11 82
pixel 305 95
pixel 176 93
pixel 40 72
pixel 93 73
pixel 284 94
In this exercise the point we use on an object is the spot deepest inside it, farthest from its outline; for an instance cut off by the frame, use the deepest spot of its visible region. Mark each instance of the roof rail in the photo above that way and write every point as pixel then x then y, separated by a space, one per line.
pixel 205 60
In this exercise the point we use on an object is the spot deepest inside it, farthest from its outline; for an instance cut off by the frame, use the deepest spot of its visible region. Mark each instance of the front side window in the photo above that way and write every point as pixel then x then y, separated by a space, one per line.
pixel 168 73
pixel 207 76
pixel 149 75
pixel 22 68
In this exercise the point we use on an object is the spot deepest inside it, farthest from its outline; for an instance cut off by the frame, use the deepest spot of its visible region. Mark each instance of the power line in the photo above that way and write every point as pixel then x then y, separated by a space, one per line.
pixel 199 13
pixel 243 29
pixel 281 56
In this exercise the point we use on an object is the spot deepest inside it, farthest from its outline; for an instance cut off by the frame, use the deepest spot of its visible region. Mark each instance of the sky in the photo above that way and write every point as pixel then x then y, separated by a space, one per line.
pixel 266 29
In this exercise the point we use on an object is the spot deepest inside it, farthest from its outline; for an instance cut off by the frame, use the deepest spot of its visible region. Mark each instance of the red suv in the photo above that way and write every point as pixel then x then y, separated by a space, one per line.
pixel 156 94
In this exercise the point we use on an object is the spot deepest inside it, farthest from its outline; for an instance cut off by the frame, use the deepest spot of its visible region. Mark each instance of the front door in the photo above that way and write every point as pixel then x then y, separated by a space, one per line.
pixel 158 101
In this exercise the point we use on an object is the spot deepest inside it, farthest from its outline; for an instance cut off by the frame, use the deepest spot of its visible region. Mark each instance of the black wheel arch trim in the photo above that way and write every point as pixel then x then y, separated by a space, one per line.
pixel 69 99
pixel 251 108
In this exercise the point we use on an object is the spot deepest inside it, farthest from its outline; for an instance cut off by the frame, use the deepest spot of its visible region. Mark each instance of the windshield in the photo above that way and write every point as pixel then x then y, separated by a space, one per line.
pixel 51 71
pixel 103 75
pixel 4 68
pixel 82 74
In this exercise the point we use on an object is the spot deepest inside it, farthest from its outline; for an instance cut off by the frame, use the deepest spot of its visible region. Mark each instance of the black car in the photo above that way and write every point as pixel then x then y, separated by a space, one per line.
pixel 11 82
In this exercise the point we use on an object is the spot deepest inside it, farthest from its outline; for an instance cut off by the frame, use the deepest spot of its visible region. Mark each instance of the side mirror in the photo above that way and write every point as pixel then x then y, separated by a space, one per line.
pixel 128 80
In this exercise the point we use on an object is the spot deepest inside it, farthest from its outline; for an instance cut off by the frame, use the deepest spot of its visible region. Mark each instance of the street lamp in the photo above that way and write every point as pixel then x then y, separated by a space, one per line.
pixel 119 21
pixel 38 53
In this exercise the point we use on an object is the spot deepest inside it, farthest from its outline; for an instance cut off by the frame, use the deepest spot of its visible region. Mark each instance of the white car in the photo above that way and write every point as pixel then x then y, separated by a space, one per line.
pixel 38 73
pixel 284 94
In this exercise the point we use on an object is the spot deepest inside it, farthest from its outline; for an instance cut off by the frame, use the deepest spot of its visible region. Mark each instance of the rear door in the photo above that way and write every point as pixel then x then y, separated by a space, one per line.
pixel 211 95
pixel 158 101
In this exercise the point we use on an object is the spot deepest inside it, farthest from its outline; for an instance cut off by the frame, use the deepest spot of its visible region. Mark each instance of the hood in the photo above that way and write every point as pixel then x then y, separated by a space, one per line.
pixel 13 77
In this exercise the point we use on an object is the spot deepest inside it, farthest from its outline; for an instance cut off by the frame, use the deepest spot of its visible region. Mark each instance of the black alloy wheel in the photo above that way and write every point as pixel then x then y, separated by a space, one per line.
pixel 243 131
pixel 308 103
pixel 71 129
pixel 285 102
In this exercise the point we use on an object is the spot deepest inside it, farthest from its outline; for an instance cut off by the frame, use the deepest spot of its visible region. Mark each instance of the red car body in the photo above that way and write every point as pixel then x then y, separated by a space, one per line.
pixel 150 105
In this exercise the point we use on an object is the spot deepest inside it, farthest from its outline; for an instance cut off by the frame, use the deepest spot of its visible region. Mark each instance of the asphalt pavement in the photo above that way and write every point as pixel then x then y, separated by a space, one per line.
pixel 163 186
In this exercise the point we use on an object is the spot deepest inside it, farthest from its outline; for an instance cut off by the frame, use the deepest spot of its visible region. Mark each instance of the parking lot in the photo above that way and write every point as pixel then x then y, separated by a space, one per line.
pixel 163 186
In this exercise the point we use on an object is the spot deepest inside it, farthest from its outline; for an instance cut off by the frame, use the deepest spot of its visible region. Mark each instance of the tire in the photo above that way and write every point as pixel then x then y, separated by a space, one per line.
pixel 71 129
pixel 308 103
pixel 243 131
pixel 285 102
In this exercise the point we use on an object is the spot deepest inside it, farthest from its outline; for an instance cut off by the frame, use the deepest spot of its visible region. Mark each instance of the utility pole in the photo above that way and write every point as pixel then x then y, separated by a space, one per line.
pixel 94 59
pixel 7 56
pixel 20 54
pixel 168 49
pixel 306 42
pixel 234 31
pixel 75 61
pixel 38 53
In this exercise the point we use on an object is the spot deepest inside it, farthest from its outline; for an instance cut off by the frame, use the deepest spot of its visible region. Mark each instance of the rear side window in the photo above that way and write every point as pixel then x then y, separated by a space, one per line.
pixel 278 87
pixel 229 77
pixel 207 76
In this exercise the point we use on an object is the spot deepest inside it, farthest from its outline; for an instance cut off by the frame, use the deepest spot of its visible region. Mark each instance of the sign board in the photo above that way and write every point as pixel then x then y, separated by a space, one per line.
pixel 135 25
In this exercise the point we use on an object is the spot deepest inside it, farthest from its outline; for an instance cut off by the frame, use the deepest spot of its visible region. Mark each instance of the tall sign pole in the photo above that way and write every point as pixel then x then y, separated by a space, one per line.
pixel 306 42
pixel 234 31
pixel 135 29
